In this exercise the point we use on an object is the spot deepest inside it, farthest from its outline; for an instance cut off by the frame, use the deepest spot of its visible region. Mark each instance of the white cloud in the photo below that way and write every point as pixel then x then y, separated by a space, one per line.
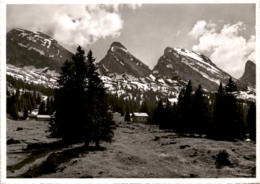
pixel 178 33
pixel 71 25
pixel 227 48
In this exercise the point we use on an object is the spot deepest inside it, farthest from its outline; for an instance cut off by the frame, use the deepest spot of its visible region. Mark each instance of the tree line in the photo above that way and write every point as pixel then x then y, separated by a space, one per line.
pixel 219 116
pixel 21 102
pixel 20 84
pixel 83 109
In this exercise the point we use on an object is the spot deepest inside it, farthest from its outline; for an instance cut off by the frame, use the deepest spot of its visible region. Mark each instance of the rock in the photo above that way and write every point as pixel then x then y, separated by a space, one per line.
pixel 156 138
pixel 12 141
pixel 19 128
pixel 184 146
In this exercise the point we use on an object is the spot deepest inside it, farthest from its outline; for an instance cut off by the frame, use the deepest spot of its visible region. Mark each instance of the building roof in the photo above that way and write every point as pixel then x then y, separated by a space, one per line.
pixel 140 114
pixel 43 116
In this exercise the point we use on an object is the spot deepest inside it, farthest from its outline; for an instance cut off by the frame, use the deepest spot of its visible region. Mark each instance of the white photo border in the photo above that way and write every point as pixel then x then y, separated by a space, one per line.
pixel 5 180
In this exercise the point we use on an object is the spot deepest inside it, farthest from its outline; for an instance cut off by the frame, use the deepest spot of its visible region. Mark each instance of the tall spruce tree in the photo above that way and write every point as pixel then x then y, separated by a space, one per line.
pixel 158 114
pixel 218 114
pixel 82 112
pixel 251 121
pixel 227 121
pixel 70 100
pixel 185 120
pixel 200 112
pixel 99 117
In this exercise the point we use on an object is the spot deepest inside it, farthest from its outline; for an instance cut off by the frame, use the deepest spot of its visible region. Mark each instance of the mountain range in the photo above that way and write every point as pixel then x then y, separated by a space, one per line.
pixel 36 58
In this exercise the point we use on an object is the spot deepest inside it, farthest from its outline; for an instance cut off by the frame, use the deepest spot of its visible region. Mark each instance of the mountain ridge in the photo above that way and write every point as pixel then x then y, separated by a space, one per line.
pixel 122 72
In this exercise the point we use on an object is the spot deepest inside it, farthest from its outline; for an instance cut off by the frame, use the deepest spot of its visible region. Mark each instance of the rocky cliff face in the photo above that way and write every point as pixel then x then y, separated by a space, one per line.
pixel 36 58
pixel 27 48
pixel 249 76
pixel 188 65
pixel 119 60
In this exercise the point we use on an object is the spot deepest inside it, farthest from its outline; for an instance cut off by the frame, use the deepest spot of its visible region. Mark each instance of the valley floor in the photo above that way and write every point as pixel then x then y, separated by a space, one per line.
pixel 137 151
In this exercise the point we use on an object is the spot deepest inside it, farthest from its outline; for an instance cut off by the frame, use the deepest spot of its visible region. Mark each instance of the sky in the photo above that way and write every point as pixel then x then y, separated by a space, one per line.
pixel 223 32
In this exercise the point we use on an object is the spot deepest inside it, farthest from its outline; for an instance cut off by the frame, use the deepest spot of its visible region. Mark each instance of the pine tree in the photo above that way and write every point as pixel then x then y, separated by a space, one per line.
pixel 14 105
pixel 228 121
pixel 14 111
pixel 25 113
pixel 231 86
pixel 42 108
pixel 127 116
pixel 200 112
pixel 251 121
pixel 70 122
pixel 38 99
pixel 144 107
pixel 82 112
pixel 166 116
pixel 185 122
pixel 99 117
pixel 158 114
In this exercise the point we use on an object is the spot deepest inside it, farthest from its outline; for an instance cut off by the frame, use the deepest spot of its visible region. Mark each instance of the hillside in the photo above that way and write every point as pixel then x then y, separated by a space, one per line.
pixel 137 150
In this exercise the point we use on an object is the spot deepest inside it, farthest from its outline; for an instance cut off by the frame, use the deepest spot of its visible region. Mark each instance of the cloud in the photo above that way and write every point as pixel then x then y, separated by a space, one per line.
pixel 226 47
pixel 71 25
pixel 178 33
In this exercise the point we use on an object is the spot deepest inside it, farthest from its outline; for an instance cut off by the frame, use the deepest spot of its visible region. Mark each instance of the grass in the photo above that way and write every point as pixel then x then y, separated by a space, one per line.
pixel 31 158
pixel 38 150
pixel 51 164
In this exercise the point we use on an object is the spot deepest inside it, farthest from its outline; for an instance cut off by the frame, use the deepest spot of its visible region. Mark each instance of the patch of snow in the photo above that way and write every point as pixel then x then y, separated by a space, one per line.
pixel 197 57
pixel 22 45
pixel 46 43
pixel 37 50
pixel 112 49
pixel 161 81
pixel 173 100
pixel 105 68
pixel 122 63
pixel 169 66
pixel 152 77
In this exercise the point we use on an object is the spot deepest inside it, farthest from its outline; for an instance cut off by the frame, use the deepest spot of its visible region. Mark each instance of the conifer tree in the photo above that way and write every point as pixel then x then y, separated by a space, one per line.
pixel 158 113
pixel 167 116
pixel 70 122
pixel 228 124
pixel 251 121
pixel 99 118
pixel 127 116
pixel 25 113
pixel 200 112
pixel 42 108
pixel 144 107
pixel 185 109
pixel 82 112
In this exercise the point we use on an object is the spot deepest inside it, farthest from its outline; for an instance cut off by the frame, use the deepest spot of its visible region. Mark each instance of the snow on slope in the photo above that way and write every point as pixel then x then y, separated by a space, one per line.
pixel 197 57
pixel 32 75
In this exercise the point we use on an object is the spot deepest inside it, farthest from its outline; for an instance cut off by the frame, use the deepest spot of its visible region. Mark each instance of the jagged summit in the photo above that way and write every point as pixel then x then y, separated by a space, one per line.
pixel 120 61
pixel 189 65
pixel 249 76
pixel 118 45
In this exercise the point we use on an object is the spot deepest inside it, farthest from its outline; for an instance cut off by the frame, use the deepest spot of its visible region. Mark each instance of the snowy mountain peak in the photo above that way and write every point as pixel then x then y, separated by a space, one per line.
pixel 117 45
pixel 119 60
pixel 28 48
pixel 189 65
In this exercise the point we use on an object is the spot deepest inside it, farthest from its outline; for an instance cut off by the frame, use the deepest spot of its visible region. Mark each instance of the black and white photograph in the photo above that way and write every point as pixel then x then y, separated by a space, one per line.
pixel 124 90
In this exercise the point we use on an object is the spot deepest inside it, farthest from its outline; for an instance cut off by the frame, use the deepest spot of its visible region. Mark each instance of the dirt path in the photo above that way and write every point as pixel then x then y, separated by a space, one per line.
pixel 144 151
